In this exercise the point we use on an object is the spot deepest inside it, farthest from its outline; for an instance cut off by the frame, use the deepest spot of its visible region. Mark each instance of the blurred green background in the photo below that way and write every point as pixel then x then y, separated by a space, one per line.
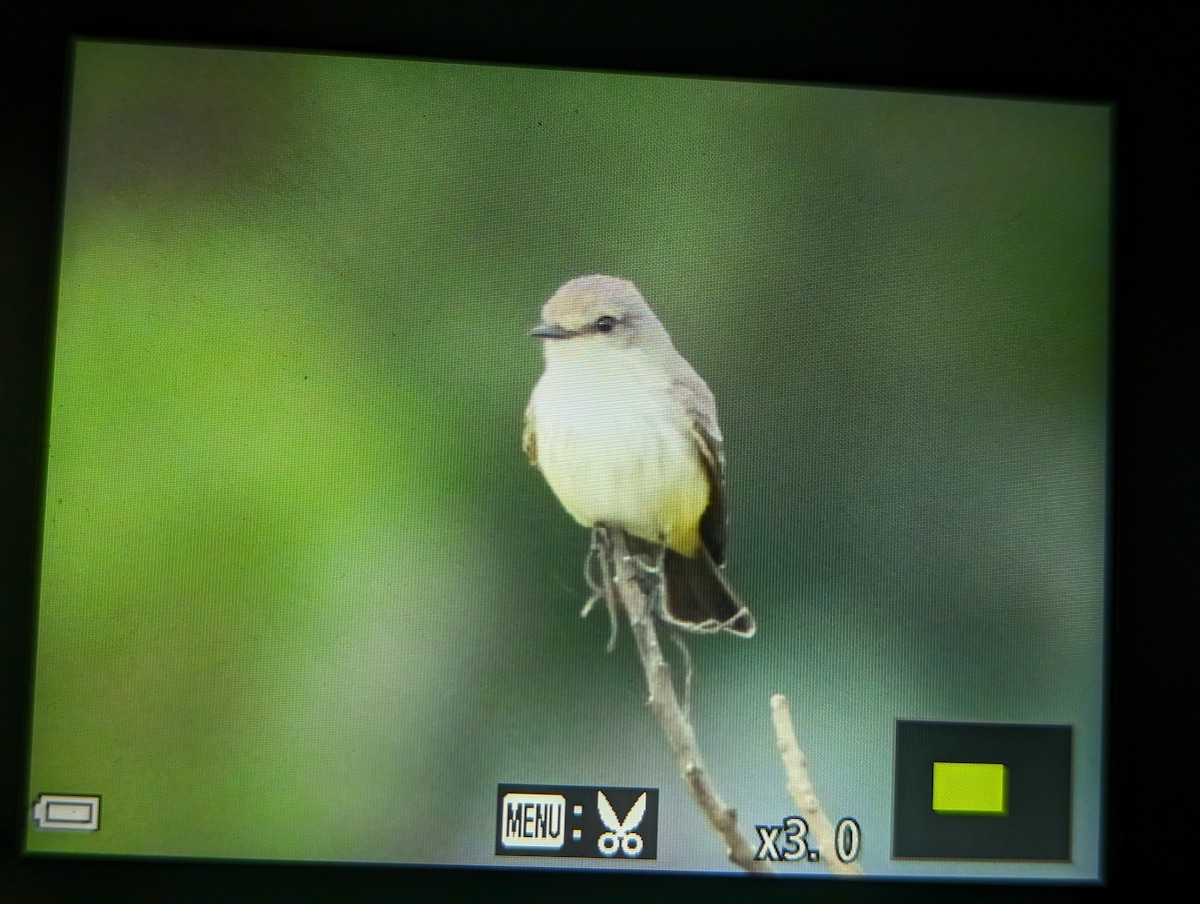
pixel 302 595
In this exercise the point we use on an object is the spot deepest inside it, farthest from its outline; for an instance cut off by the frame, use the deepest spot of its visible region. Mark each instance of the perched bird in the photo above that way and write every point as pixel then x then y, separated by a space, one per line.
pixel 625 432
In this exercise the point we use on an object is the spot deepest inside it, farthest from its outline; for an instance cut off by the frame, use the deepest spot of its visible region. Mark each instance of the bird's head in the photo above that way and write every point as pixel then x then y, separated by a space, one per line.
pixel 598 313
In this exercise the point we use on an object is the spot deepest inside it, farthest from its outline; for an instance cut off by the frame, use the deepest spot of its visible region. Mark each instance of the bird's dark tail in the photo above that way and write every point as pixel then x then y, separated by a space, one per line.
pixel 698 598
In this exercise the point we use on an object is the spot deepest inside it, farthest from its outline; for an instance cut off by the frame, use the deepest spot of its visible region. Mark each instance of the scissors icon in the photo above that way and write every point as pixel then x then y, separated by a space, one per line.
pixel 621 836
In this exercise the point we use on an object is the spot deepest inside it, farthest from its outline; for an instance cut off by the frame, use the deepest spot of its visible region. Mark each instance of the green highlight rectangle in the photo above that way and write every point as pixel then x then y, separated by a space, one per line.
pixel 979 788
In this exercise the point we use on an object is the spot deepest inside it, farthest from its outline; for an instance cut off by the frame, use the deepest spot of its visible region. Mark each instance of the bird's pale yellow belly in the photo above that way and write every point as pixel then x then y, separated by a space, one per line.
pixel 621 454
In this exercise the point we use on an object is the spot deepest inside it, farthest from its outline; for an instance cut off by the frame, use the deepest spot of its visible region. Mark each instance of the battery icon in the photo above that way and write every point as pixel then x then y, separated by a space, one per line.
pixel 74 812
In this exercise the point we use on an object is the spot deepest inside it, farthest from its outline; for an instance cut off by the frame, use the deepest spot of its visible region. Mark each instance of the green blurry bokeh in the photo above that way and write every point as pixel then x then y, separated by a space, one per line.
pixel 302 596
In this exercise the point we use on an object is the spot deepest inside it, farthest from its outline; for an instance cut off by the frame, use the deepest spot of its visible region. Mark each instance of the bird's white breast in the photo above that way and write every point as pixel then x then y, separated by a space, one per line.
pixel 615 446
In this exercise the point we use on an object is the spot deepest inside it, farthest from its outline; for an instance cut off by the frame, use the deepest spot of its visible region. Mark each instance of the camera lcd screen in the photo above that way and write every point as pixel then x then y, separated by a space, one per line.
pixel 818 444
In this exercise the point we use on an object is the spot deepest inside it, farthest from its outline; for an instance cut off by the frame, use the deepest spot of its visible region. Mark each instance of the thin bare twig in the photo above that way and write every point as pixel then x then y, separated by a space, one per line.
pixel 686 705
pixel 621 579
pixel 800 787
pixel 598 556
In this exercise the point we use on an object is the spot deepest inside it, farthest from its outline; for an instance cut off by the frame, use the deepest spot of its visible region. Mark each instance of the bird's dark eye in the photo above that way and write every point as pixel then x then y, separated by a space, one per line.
pixel 605 324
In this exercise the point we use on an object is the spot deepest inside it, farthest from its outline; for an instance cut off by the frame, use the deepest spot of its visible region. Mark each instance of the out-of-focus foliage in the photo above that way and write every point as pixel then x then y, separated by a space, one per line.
pixel 302 595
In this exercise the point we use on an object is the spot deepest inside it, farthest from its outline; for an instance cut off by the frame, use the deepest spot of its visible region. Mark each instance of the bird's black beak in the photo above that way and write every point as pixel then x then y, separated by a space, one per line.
pixel 550 331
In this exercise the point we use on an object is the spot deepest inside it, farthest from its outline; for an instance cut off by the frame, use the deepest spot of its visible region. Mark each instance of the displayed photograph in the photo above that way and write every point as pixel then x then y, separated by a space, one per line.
pixel 524 468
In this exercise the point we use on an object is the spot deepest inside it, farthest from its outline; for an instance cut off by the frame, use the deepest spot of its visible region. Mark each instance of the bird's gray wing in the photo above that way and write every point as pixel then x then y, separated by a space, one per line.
pixel 701 411
pixel 529 436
